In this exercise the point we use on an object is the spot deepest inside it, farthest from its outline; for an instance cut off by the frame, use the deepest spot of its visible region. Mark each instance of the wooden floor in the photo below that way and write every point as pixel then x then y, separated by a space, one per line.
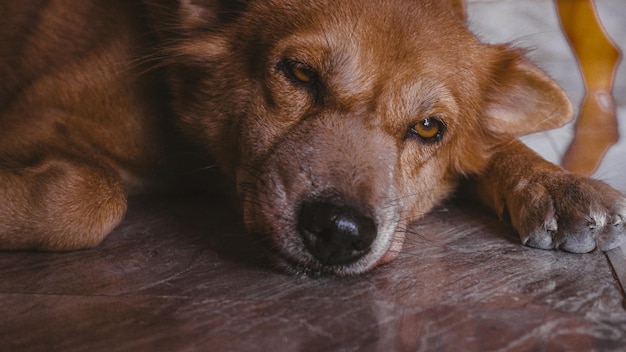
pixel 180 274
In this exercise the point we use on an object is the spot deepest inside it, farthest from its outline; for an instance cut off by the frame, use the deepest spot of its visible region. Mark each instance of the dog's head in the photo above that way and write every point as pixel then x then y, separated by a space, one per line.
pixel 342 120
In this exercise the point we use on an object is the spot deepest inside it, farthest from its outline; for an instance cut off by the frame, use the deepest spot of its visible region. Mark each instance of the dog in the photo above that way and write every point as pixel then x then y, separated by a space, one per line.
pixel 337 123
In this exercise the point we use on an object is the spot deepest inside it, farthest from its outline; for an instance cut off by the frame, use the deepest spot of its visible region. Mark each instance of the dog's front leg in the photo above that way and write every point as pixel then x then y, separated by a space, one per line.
pixel 549 206
pixel 57 203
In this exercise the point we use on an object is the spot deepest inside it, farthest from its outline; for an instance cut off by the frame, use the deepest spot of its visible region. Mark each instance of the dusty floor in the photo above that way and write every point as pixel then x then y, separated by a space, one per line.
pixel 181 275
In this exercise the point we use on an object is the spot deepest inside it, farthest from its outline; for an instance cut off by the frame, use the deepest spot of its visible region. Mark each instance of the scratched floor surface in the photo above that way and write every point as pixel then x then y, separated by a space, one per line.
pixel 181 275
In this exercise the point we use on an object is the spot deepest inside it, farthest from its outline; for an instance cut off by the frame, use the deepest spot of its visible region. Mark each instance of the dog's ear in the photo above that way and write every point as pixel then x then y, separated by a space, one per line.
pixel 458 7
pixel 197 14
pixel 521 98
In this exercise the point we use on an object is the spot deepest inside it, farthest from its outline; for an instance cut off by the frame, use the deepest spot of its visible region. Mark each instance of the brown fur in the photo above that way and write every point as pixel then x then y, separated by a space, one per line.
pixel 98 101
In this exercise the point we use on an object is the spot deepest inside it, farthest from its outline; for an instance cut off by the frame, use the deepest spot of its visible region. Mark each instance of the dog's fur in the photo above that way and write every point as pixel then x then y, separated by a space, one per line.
pixel 338 122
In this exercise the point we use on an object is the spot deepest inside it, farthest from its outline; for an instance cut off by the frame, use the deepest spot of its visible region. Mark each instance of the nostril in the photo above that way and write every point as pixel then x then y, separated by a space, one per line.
pixel 335 234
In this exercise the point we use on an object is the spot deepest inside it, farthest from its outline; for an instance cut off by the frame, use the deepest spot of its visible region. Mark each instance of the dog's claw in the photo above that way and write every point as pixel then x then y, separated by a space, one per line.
pixel 580 243
pixel 540 239
pixel 580 214
pixel 613 235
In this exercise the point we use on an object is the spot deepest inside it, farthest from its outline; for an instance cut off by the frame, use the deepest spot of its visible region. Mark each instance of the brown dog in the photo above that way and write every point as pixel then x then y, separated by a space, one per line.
pixel 338 121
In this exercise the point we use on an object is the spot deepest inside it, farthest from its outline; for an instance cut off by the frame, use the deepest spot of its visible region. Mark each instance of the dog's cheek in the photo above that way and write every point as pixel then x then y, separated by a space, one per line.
pixel 469 153
pixel 268 122
pixel 213 108
pixel 424 180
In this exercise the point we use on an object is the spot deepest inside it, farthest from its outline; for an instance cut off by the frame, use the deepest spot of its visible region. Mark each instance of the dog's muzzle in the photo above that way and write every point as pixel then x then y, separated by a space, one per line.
pixel 326 197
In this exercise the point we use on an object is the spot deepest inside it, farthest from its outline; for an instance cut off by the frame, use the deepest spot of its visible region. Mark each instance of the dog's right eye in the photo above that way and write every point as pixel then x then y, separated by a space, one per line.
pixel 429 130
pixel 298 72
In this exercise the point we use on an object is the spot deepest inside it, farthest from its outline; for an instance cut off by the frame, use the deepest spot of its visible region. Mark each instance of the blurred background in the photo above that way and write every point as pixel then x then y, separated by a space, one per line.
pixel 534 24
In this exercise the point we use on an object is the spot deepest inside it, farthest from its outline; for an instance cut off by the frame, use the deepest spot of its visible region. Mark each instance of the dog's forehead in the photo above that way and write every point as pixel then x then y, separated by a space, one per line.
pixel 365 38
pixel 388 24
pixel 395 67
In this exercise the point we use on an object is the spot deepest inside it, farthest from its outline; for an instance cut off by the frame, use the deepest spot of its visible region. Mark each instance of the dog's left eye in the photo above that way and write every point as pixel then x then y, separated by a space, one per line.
pixel 299 72
pixel 428 130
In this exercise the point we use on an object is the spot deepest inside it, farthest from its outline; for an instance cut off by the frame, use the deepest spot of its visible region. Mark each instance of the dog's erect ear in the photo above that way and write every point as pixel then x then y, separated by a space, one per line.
pixel 208 13
pixel 521 98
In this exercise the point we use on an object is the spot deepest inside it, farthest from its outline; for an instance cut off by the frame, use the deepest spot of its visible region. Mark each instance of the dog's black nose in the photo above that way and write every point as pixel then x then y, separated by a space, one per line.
pixel 335 235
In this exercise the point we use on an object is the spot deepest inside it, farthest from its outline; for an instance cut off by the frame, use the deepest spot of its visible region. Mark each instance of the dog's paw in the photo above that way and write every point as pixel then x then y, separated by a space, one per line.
pixel 568 212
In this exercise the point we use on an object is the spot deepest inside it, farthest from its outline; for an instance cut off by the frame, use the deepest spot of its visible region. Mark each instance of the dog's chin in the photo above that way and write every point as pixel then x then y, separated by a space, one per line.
pixel 301 263
pixel 312 268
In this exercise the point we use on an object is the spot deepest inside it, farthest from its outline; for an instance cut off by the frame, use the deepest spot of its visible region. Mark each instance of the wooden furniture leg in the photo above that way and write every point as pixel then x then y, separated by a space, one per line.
pixel 596 126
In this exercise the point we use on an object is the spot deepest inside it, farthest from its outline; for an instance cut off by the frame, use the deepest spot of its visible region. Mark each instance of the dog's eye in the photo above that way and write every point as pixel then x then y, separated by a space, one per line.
pixel 302 74
pixel 428 130
pixel 299 72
